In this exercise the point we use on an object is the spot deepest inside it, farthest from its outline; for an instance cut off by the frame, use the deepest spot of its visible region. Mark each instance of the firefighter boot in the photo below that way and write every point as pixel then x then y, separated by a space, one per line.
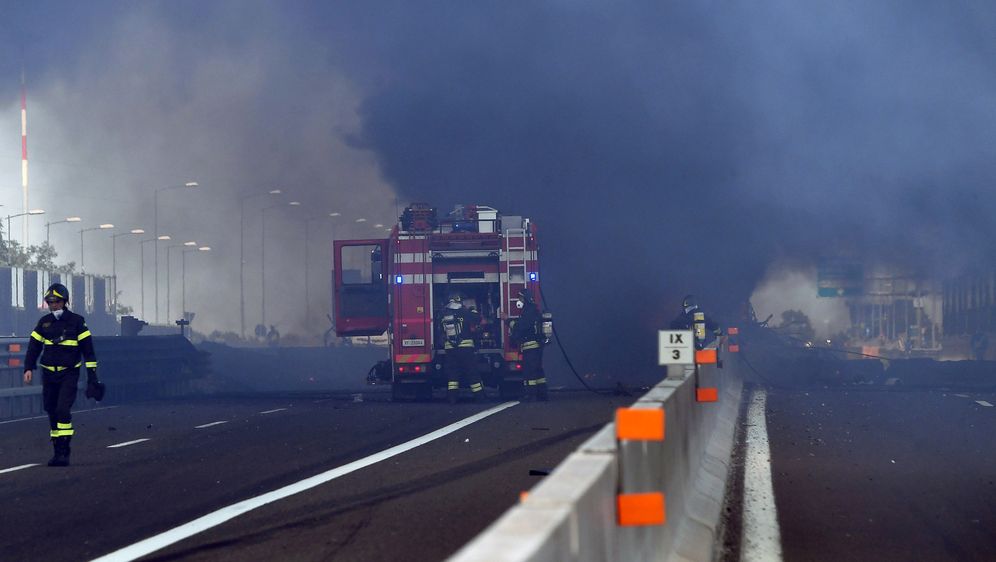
pixel 60 445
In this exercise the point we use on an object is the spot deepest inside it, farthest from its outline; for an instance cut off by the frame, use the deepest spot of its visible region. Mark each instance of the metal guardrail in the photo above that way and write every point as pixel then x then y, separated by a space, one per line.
pixel 134 368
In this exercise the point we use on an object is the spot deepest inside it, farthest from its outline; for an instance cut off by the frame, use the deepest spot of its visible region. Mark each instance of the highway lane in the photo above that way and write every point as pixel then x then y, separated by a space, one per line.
pixel 420 505
pixel 885 474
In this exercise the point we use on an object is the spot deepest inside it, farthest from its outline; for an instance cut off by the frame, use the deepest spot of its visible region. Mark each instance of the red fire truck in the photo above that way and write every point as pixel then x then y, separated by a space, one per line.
pixel 401 284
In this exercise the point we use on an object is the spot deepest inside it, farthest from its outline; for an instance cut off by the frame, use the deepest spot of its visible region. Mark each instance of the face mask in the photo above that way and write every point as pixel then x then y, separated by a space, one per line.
pixel 519 304
pixel 57 313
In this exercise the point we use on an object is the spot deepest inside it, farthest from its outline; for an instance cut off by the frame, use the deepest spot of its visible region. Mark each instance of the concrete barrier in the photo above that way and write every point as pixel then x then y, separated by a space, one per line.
pixel 571 514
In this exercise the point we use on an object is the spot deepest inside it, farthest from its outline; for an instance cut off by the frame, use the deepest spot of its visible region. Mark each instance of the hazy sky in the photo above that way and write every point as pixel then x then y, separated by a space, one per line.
pixel 662 147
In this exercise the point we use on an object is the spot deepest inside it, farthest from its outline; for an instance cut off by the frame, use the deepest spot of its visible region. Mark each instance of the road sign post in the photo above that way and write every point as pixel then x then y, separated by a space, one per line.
pixel 675 347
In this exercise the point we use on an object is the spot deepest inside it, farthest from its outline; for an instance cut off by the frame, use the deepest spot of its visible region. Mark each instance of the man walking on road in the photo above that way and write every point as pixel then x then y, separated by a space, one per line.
pixel 64 343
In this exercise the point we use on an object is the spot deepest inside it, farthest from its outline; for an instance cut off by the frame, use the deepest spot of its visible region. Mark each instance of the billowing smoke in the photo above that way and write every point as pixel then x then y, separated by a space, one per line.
pixel 663 148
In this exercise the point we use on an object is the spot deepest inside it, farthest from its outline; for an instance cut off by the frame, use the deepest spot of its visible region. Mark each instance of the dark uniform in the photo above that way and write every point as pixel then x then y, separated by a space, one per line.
pixel 457 327
pixel 691 318
pixel 64 344
pixel 527 332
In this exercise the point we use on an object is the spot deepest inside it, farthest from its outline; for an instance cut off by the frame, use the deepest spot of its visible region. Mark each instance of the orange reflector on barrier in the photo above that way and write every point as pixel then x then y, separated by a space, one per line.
pixel 13 362
pixel 732 331
pixel 640 425
pixel 705 356
pixel 14 347
pixel 733 348
pixel 707 394
pixel 523 496
pixel 641 509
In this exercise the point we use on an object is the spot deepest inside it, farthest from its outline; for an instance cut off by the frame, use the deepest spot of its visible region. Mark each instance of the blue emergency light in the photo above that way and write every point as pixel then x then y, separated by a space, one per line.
pixel 398 279
pixel 532 276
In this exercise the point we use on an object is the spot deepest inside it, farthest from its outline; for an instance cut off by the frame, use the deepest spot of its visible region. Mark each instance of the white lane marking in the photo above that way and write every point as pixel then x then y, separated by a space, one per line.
pixel 984 403
pixel 12 469
pixel 74 413
pixel 761 536
pixel 210 424
pixel 272 411
pixel 126 443
pixel 961 395
pixel 224 514
pixel 891 381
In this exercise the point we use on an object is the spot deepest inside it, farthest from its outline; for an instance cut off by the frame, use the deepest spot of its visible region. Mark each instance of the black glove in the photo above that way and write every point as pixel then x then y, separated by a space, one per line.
pixel 94 388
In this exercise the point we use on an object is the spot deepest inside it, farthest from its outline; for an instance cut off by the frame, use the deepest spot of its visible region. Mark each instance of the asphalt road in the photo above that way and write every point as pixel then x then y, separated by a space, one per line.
pixel 884 474
pixel 423 504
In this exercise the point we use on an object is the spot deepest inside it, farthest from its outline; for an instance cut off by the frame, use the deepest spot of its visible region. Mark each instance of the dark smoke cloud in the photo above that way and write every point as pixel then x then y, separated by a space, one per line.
pixel 662 147
pixel 667 148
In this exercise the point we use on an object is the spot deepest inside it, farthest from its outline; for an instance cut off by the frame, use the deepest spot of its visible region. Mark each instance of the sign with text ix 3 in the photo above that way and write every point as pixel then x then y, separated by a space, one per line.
pixel 676 347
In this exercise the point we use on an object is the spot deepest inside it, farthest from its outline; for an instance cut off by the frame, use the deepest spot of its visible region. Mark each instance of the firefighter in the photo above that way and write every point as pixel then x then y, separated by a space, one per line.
pixel 527 331
pixel 64 343
pixel 457 326
pixel 691 318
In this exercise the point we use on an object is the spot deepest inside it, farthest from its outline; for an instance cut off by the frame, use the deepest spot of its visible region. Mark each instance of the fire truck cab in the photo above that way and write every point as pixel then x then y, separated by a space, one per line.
pixel 400 285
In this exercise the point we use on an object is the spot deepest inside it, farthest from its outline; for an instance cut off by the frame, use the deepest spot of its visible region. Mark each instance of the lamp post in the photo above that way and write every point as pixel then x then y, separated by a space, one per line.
pixel 104 226
pixel 307 262
pixel 184 275
pixel 262 255
pixel 141 245
pixel 114 263
pixel 242 257
pixel 31 212
pixel 155 205
pixel 168 270
pixel 48 227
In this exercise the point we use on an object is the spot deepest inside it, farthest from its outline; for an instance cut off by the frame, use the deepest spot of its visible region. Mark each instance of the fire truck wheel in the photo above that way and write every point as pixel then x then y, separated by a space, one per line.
pixel 398 393
pixel 423 392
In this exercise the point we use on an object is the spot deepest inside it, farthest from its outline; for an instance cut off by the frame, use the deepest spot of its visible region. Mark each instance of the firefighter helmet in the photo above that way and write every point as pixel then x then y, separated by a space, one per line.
pixel 455 302
pixel 525 296
pixel 689 303
pixel 57 291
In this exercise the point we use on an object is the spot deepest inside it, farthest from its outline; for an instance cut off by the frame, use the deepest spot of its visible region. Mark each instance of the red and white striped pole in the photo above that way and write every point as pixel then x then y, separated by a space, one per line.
pixel 24 158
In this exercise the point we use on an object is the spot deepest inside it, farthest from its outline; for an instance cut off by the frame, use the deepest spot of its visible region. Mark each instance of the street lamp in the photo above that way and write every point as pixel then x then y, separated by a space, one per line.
pixel 189 184
pixel 114 262
pixel 307 262
pixel 141 245
pixel 168 270
pixel 183 303
pixel 48 227
pixel 104 226
pixel 242 257
pixel 31 212
pixel 262 255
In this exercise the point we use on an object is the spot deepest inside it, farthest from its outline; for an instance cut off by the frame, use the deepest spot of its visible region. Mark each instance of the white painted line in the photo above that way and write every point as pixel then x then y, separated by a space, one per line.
pixel 961 395
pixel 126 443
pixel 210 424
pixel 74 413
pixel 984 403
pixel 891 381
pixel 761 536
pixel 23 466
pixel 272 411
pixel 224 514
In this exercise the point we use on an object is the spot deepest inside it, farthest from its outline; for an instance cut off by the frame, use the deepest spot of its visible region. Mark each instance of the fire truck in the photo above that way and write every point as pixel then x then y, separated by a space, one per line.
pixel 400 286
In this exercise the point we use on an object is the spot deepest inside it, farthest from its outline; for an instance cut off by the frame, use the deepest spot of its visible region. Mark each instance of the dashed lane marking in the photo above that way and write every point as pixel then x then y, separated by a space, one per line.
pixel 761 536
pixel 74 413
pixel 984 403
pixel 272 411
pixel 126 443
pixel 224 514
pixel 13 468
pixel 210 424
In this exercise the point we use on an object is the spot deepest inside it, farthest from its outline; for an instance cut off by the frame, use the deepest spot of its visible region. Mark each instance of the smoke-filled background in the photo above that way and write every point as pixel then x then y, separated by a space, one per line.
pixel 663 148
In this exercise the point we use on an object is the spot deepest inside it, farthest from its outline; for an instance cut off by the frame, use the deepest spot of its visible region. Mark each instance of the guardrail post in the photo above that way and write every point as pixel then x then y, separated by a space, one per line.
pixel 640 436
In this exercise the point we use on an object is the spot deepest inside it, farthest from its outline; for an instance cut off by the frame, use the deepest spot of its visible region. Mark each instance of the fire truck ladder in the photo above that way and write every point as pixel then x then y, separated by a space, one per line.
pixel 518 265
